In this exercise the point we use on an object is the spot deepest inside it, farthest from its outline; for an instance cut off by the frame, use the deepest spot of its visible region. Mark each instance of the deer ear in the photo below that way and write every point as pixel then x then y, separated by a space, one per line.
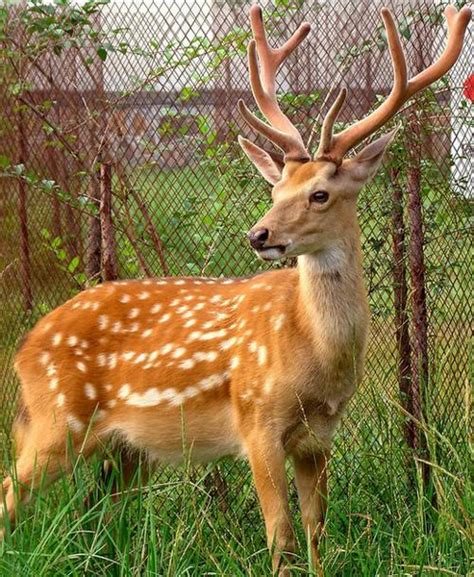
pixel 366 163
pixel 269 167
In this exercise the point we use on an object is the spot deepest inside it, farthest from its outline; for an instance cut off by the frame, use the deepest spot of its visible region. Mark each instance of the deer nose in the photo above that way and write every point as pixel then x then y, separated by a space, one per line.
pixel 258 237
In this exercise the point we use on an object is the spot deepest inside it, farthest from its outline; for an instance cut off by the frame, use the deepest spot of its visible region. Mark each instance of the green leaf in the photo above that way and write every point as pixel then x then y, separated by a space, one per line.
pixel 71 267
pixel 102 53
pixel 4 161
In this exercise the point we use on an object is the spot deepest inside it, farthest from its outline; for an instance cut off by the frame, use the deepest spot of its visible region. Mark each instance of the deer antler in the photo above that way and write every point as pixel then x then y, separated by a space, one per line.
pixel 333 148
pixel 281 131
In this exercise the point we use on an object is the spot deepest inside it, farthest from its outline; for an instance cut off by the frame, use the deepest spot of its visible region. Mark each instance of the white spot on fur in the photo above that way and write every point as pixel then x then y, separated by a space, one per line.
pixel 125 298
pixel 186 364
pixel 213 335
pixel 228 343
pixel 72 341
pixel 209 356
pixel 234 362
pixel 90 391
pixel 189 323
pixel 268 384
pixel 51 370
pixel 124 391
pixel 101 360
pixel 112 360
pixel 165 318
pixel 133 328
pixel 53 383
pixel 165 349
pixel 194 335
pixel 253 347
pixel 278 321
pixel 156 308
pixel 179 352
pixel 57 338
pixel 117 327
pixel 81 366
pixel 60 400
pixel 147 333
pixel 212 381
pixel 149 398
pixel 143 295
pixel 74 423
pixel 133 313
pixel 103 322
pixel 262 354
pixel 140 358
pixel 111 404
pixel 45 357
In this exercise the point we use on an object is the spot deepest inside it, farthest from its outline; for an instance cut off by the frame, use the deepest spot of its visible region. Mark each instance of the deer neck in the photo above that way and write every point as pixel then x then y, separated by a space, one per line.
pixel 332 301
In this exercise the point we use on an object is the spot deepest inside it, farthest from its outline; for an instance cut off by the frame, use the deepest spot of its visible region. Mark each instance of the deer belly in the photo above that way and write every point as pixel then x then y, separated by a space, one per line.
pixel 182 434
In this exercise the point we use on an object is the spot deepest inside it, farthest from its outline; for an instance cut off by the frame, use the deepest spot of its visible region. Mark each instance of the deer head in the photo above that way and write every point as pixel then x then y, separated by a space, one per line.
pixel 314 198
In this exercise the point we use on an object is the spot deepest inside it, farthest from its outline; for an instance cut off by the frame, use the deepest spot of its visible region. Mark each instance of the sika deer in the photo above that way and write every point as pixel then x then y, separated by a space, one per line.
pixel 262 366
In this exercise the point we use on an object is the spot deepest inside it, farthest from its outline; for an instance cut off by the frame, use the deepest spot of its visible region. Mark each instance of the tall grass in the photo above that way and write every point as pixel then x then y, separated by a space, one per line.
pixel 206 520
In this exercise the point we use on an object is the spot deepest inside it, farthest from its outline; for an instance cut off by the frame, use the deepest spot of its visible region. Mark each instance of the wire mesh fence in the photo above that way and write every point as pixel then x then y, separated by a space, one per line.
pixel 118 159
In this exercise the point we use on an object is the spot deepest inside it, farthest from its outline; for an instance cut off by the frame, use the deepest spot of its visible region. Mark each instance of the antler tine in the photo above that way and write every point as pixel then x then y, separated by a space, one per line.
pixel 325 142
pixel 282 131
pixel 402 89
pixel 457 24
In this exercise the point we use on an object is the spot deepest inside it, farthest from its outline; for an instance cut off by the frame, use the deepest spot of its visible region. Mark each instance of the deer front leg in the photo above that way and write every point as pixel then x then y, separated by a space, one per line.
pixel 311 482
pixel 267 461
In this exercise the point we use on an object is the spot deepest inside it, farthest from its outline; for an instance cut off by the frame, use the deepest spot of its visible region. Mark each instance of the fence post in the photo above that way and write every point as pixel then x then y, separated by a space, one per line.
pixel 402 321
pixel 109 255
pixel 420 364
pixel 94 237
pixel 23 217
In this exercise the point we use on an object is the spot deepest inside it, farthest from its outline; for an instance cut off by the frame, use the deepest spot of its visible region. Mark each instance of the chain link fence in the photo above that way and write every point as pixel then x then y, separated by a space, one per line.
pixel 118 159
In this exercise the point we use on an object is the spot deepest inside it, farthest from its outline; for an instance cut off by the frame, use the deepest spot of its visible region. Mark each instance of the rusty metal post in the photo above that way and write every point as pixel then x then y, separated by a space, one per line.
pixel 420 363
pixel 109 255
pixel 402 321
pixel 25 257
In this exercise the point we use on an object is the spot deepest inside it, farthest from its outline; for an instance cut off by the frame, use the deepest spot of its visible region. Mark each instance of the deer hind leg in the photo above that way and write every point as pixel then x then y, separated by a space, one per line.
pixel 44 454
pixel 267 462
pixel 311 483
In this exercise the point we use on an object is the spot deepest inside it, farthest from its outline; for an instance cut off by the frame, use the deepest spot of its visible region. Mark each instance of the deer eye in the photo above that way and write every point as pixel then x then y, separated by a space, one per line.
pixel 320 196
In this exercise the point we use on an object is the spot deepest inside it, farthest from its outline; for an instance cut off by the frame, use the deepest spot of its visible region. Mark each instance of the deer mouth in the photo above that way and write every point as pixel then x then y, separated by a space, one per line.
pixel 273 252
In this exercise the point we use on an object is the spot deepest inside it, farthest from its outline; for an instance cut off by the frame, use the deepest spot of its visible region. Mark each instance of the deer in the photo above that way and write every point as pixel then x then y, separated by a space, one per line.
pixel 260 368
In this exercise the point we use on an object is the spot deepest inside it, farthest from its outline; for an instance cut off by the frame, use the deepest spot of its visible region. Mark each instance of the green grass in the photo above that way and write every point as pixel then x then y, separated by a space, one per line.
pixel 179 524
pixel 379 522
